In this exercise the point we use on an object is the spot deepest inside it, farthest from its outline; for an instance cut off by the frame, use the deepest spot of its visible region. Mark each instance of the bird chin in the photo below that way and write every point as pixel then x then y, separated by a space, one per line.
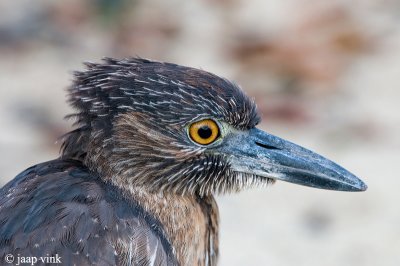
pixel 247 180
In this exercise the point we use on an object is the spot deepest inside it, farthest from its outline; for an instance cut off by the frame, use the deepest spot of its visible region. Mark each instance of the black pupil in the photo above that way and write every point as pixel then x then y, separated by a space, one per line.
pixel 204 132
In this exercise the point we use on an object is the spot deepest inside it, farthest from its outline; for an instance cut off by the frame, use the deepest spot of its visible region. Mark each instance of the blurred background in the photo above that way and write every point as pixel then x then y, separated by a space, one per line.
pixel 325 74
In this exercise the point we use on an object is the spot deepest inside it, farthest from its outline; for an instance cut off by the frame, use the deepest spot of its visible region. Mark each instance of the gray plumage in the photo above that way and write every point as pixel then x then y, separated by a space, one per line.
pixel 133 185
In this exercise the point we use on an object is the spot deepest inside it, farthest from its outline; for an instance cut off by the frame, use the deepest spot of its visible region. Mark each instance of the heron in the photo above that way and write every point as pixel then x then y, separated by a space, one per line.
pixel 135 181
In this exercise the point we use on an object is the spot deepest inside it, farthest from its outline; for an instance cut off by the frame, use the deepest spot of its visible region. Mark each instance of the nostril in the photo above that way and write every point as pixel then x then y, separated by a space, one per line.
pixel 269 147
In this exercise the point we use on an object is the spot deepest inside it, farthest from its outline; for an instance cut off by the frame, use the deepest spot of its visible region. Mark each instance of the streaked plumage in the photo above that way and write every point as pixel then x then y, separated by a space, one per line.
pixel 131 187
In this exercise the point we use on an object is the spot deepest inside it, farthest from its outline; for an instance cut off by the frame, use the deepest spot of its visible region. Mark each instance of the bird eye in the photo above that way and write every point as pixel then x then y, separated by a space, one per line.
pixel 204 132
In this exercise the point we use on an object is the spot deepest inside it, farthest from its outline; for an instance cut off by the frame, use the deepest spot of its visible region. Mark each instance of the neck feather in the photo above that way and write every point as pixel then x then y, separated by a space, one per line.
pixel 191 223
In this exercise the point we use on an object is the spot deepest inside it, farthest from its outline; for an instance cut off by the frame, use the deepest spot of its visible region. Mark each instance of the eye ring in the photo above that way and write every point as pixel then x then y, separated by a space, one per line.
pixel 204 132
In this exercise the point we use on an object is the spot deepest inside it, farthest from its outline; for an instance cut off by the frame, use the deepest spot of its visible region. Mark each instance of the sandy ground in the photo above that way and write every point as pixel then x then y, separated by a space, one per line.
pixel 351 116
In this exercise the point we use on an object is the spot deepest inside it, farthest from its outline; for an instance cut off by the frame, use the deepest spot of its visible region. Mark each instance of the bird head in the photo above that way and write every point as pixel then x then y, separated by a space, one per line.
pixel 166 127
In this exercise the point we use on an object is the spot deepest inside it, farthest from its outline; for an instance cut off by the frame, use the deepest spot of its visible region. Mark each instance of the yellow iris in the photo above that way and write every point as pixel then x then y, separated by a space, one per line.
pixel 204 132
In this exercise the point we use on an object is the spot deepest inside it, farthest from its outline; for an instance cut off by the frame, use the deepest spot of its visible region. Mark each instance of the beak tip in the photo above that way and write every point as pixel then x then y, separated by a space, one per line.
pixel 360 186
pixel 363 186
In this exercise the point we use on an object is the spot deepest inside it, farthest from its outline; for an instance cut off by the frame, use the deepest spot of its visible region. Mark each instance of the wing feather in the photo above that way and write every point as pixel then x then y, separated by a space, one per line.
pixel 60 207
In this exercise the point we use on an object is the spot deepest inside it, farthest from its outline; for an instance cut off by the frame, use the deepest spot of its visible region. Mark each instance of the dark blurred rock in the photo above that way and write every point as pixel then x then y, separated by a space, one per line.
pixel 317 221
pixel 283 108
pixel 314 50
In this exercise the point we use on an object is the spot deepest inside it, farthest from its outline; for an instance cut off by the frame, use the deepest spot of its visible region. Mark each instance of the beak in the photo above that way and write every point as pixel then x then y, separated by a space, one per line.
pixel 259 153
